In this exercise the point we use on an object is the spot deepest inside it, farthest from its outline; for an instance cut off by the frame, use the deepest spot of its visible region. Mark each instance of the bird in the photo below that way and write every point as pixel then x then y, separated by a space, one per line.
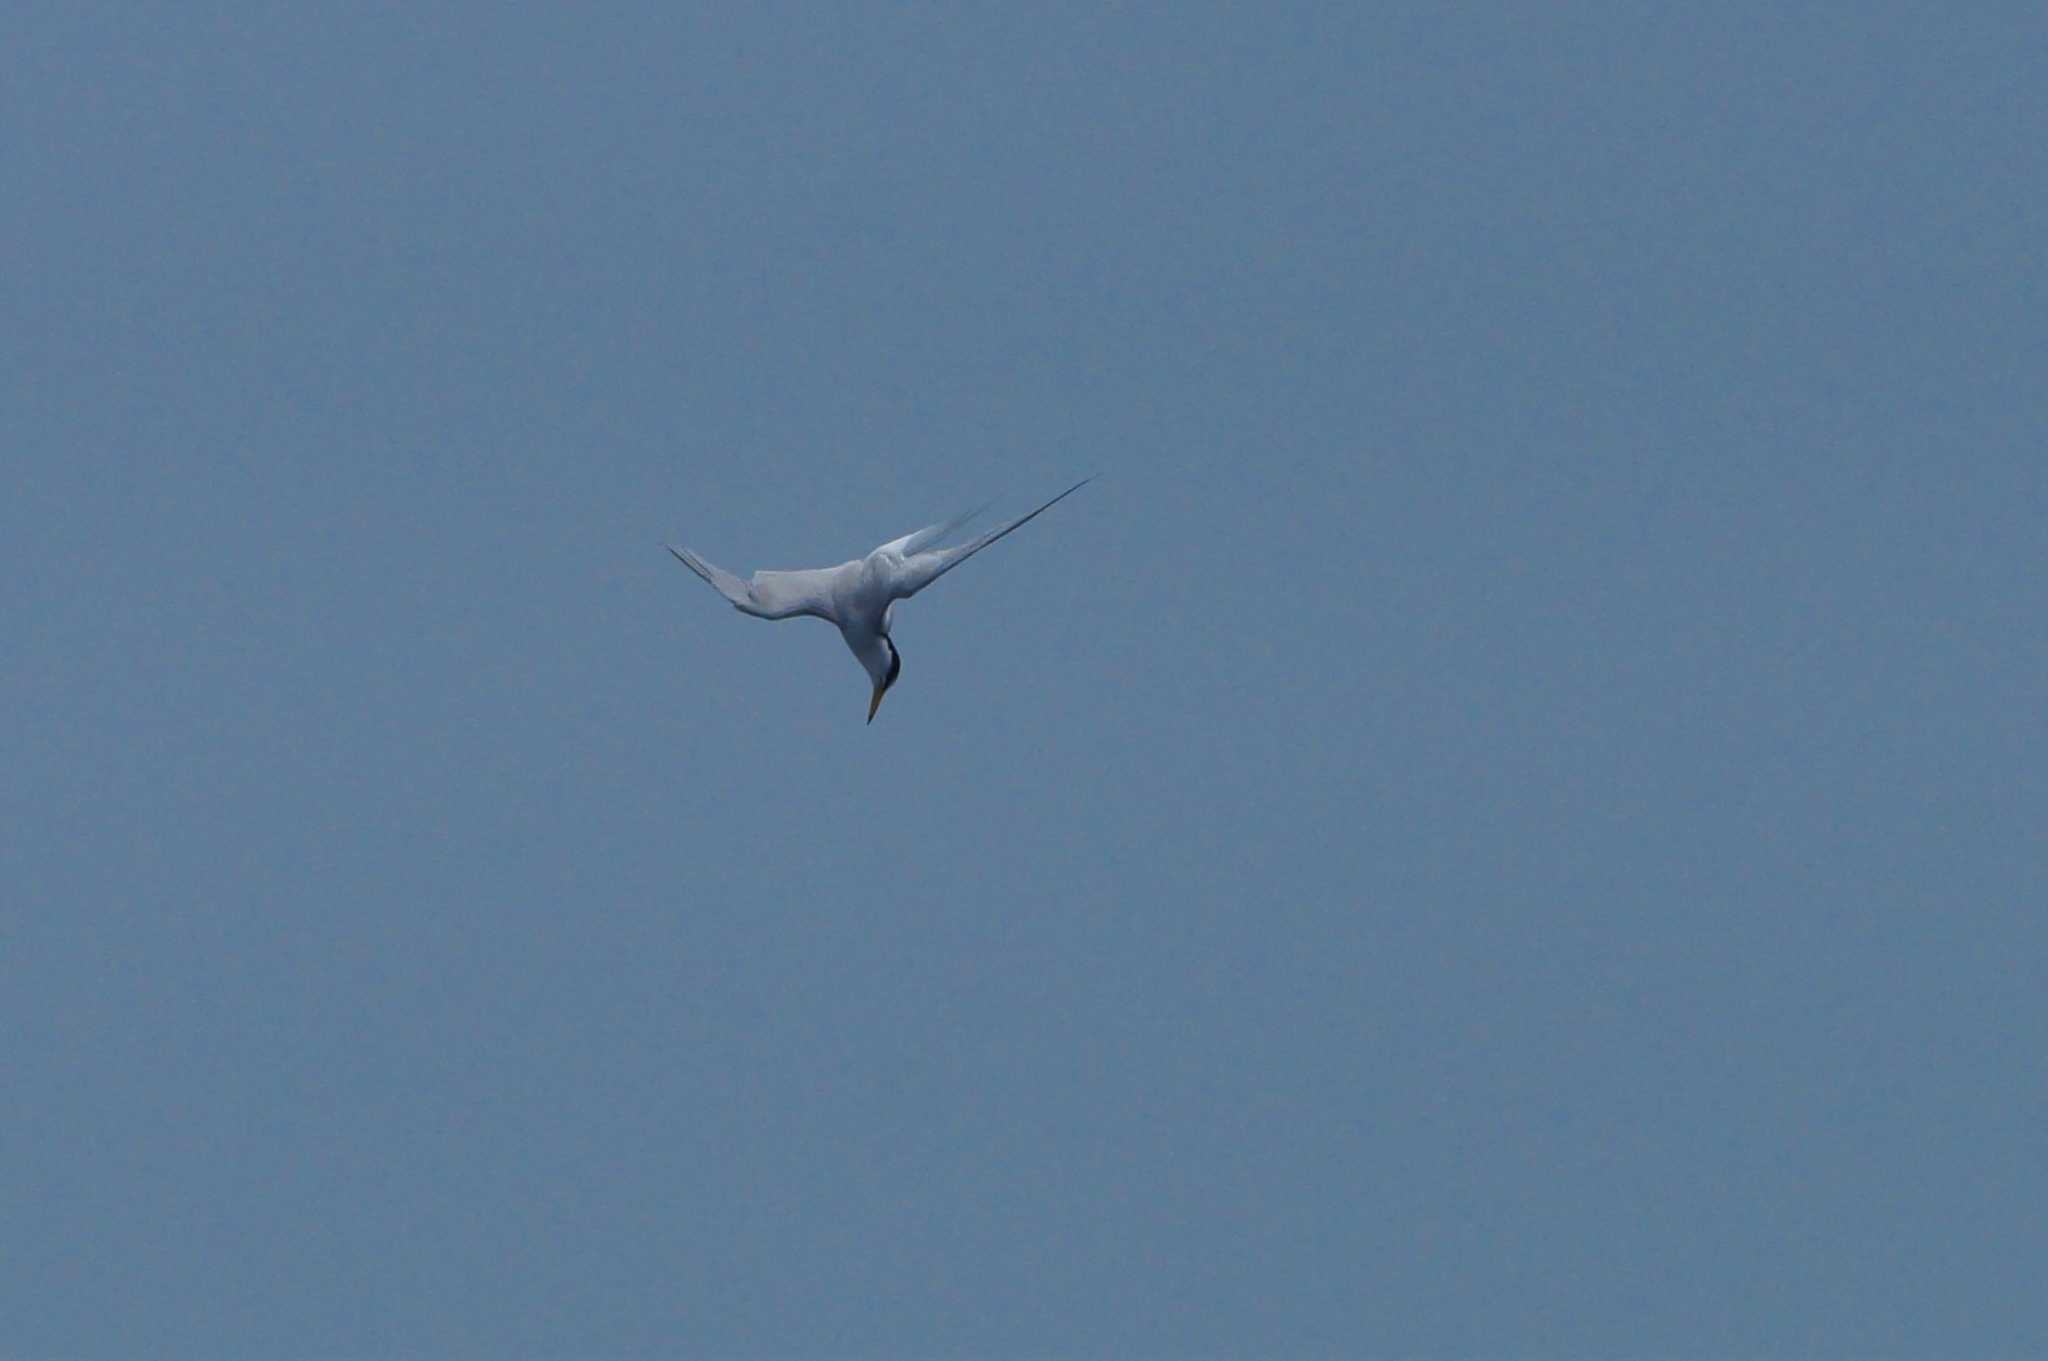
pixel 860 596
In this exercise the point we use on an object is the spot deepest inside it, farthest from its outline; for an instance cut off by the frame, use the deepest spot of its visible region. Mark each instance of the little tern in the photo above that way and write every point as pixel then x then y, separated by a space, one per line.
pixel 860 596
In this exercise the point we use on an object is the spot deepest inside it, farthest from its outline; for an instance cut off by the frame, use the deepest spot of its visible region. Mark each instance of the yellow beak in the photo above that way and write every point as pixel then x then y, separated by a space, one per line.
pixel 876 702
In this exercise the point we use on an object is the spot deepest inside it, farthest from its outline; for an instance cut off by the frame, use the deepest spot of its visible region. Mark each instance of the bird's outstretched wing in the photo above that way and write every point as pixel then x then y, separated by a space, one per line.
pixel 921 569
pixel 770 595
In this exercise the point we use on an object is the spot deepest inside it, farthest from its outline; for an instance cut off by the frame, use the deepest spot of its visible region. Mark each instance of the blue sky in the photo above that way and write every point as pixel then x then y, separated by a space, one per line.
pixel 1506 822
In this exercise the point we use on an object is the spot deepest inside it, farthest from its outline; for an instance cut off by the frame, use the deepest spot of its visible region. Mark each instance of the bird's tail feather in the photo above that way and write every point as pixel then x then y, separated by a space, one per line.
pixel 720 580
pixel 932 534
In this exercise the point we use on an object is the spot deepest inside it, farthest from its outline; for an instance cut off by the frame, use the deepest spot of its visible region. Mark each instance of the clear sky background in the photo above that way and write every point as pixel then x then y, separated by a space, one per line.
pixel 1508 821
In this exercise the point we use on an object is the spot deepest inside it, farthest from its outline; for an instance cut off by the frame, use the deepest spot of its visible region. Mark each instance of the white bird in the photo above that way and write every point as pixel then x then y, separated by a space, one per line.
pixel 860 596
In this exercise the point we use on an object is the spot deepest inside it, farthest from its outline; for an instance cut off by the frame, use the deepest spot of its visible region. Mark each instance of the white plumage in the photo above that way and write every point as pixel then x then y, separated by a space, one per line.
pixel 860 596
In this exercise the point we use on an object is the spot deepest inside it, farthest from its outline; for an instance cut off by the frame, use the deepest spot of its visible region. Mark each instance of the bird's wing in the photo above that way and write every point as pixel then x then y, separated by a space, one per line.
pixel 919 540
pixel 920 570
pixel 770 595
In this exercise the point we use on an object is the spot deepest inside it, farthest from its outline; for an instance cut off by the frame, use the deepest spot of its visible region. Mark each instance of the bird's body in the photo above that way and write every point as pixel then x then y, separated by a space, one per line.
pixel 860 596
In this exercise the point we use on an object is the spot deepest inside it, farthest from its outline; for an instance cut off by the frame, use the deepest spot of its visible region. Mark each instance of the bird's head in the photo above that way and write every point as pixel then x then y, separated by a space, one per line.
pixel 885 667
